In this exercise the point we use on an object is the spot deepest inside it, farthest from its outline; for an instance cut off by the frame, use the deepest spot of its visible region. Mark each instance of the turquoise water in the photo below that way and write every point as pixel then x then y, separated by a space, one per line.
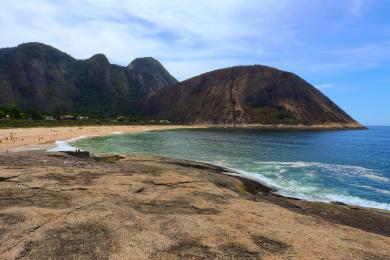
pixel 346 166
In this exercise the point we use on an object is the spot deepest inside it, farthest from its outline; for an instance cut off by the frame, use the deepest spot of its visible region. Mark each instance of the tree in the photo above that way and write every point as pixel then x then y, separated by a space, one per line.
pixel 15 113
pixel 33 114
pixel 2 113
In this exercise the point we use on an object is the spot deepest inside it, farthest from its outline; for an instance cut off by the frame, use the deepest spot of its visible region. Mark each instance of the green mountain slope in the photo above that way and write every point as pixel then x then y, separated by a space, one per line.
pixel 38 76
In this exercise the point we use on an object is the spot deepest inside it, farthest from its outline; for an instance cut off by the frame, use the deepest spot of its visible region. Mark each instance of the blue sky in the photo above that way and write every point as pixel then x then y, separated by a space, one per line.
pixel 340 46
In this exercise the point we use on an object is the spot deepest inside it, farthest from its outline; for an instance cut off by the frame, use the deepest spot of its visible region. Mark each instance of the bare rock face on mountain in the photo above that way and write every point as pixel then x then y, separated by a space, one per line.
pixel 150 74
pixel 38 76
pixel 247 95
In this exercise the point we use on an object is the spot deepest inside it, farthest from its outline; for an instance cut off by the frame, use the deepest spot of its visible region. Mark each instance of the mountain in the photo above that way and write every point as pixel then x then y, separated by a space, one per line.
pixel 151 74
pixel 38 76
pixel 247 95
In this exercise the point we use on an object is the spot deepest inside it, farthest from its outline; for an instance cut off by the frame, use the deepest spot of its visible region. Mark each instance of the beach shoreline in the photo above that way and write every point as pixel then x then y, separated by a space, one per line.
pixel 40 138
pixel 36 138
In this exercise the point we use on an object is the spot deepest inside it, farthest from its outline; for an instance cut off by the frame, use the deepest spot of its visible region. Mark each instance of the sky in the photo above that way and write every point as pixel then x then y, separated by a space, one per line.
pixel 342 47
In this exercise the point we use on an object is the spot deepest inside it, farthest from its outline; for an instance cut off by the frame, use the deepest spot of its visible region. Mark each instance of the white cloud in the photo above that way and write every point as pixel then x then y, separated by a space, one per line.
pixel 191 36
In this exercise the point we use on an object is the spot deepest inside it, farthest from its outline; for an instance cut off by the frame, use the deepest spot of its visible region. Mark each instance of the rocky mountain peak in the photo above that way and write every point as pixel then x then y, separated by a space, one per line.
pixel 36 75
pixel 145 64
pixel 151 73
pixel 99 59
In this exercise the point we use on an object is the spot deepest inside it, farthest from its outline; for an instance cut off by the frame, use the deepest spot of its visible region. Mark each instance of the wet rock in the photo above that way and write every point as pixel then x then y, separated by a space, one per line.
pixel 188 249
pixel 34 197
pixel 10 219
pixel 270 245
pixel 79 241
pixel 82 178
pixel 172 207
pixel 236 251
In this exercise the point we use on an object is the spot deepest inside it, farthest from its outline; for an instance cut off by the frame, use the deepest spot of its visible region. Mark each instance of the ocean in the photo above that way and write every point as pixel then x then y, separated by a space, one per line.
pixel 348 166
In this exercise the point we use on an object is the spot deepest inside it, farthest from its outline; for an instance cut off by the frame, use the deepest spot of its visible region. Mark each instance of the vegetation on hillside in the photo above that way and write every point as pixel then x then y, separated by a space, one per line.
pixel 38 76
pixel 14 117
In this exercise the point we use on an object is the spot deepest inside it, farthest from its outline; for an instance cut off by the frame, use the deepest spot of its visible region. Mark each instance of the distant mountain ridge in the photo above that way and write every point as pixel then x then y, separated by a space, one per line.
pixel 41 77
pixel 35 75
pixel 254 95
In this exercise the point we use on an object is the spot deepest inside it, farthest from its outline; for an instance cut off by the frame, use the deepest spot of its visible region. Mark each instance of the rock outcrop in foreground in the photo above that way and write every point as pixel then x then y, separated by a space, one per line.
pixel 247 95
pixel 55 206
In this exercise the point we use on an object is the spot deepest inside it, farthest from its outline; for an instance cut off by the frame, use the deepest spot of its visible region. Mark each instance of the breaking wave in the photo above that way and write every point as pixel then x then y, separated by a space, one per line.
pixel 273 174
pixel 64 146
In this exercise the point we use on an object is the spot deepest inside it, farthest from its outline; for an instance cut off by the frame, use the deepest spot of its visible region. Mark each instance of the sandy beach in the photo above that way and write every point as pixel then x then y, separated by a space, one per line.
pixel 15 139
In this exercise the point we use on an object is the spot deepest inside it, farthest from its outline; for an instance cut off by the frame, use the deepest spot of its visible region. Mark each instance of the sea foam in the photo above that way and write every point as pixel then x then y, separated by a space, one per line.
pixel 299 191
pixel 64 145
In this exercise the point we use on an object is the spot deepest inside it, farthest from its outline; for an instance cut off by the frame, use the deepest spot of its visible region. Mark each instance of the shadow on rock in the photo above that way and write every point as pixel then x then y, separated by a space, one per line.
pixel 80 241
